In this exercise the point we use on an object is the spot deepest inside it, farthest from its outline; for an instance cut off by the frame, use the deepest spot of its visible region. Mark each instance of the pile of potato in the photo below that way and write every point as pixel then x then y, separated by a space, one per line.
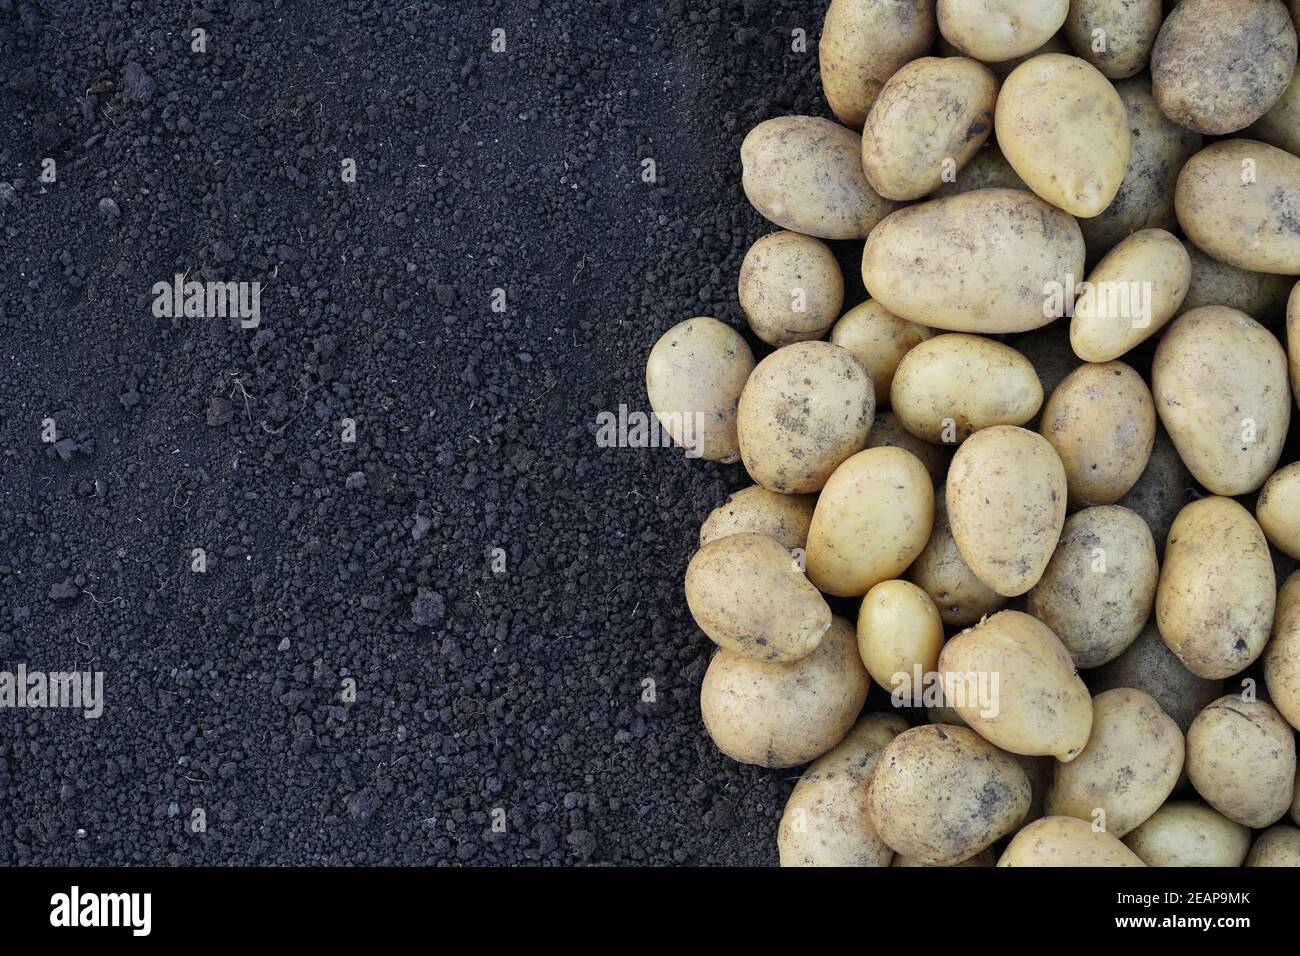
pixel 1057 507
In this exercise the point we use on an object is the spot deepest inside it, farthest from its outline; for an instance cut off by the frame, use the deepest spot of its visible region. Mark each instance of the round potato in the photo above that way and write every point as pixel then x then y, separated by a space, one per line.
pixel 1261 296
pixel 1013 681
pixel 694 377
pixel 940 794
pixel 1099 587
pixel 888 430
pixel 1150 666
pixel 1115 36
pixel 784 714
pixel 1276 846
pixel 1278 510
pixel 948 387
pixel 1219 65
pixel 1162 491
pixel 1006 502
pixel 1013 248
pixel 1219 379
pixel 1184 833
pixel 784 518
pixel 805 409
pixel 1241 759
pixel 804 173
pixel 872 519
pixel 982 858
pixel 879 339
pixel 1066 841
pixel 1280 126
pixel 1215 599
pixel 791 288
pixel 1282 654
pixel 994 30
pixel 932 116
pixel 987 169
pixel 863 43
pixel 961 597
pixel 1076 163
pixel 899 632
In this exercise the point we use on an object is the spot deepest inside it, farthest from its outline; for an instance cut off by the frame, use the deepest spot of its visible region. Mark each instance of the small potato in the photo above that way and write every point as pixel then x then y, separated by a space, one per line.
pixel 982 858
pixel 1219 379
pixel 1100 585
pixel 1102 423
pixel 961 597
pixel 1013 247
pixel 1219 65
pixel 804 174
pixel 950 386
pixel 1276 846
pixel 1162 491
pixel 1129 767
pixel 1006 502
pixel 879 339
pixel 747 594
pixel 805 409
pixel 825 821
pixel 1064 129
pixel 694 377
pixel 1241 759
pixel 1012 681
pixel 899 630
pixel 1280 126
pixel 932 116
pixel 784 714
pixel 784 518
pixel 1282 653
pixel 863 43
pixel 791 288
pixel 1215 599
pixel 888 430
pixel 1130 295
pixel 1278 510
pixel 1261 296
pixel 940 794
pixel 1066 841
pixel 1129 26
pixel 872 519
pixel 1184 833
pixel 987 169
pixel 1149 666
pixel 994 30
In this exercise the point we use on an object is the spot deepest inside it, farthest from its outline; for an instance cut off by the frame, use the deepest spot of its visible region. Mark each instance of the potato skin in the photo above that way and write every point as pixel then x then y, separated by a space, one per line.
pixel 1280 126
pixel 995 30
pixel 1130 28
pixel 899 629
pixel 1161 491
pixel 1278 510
pixel 987 169
pixel 961 597
pixel 1241 758
pixel 1185 833
pixel 1276 846
pixel 879 339
pixel 1066 841
pixel 1150 666
pixel 784 518
pixel 1012 245
pixel 1282 653
pixel 791 288
pixel 889 431
pixel 1260 295
pixel 863 43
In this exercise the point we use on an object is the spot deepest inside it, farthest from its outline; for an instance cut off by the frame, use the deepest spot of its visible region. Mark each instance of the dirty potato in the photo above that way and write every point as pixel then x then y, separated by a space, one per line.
pixel 1278 510
pixel 1149 665
pixel 1066 841
pixel 1276 846
pixel 1185 833
pixel 995 30
pixel 1282 654
pixel 1129 28
pixel 879 339
pixel 1241 759
pixel 791 288
pixel 784 518
pixel 863 43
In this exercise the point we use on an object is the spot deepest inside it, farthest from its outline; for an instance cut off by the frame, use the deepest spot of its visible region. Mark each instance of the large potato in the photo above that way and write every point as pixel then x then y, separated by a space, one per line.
pixel 1241 759
pixel 1278 510
pixel 1064 129
pixel 1162 491
pixel 872 519
pixel 784 518
pixel 1219 65
pixel 961 597
pixel 980 261
pixel 1013 681
pixel 1115 36
pixel 940 794
pixel 791 288
pixel 784 714
pixel 994 30
pixel 1276 846
pixel 950 386
pixel 694 377
pixel 1149 665
pixel 1185 833
pixel 1006 504
pixel 1066 841
pixel 879 339
pixel 888 430
pixel 804 174
pixel 863 44
pixel 1260 295
pixel 805 409
pixel 1280 126
pixel 987 169
pixel 748 595
pixel 899 632
pixel 1215 599
pixel 1282 654
pixel 1219 379
pixel 932 116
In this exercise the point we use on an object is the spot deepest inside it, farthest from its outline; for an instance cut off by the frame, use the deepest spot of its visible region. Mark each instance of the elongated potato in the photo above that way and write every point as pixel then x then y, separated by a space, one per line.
pixel 1261 296
pixel 888 430
pixel 784 518
pixel 1150 666
pixel 995 30
pixel 961 597
pixel 1278 510
pixel 1185 833
pixel 791 288
pixel 1066 841
pixel 1241 759
pixel 1127 30
pixel 879 339
pixel 1282 654
pixel 899 629
pixel 863 43
pixel 1276 846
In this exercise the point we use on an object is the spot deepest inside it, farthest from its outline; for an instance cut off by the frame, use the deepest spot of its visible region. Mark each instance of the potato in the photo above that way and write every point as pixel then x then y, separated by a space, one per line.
pixel 1278 510
pixel 1006 504
pixel 805 409
pixel 993 30
pixel 987 169
pixel 982 858
pixel 784 518
pixel 888 430
pixel 791 288
pixel 950 386
pixel 1280 126
pixel 1236 200
pixel 899 631
pixel 1282 654
pixel 1066 841
pixel 864 42
pixel 784 714
pixel 1215 599
pixel 1219 65
pixel 1130 295
pixel 747 594
pixel 804 174
pixel 694 377
pixel 1128 32
pixel 961 597
pixel 1276 846
pixel 825 822
pixel 1162 491
pixel 1099 587
pixel 1219 379
pixel 940 794
pixel 1261 296
pixel 932 116
pixel 1241 759
pixel 1185 833
pixel 1064 130
pixel 879 339
pixel 1102 423
pixel 1013 682
pixel 1293 338
pixel 872 519
pixel 1148 665
pixel 1013 247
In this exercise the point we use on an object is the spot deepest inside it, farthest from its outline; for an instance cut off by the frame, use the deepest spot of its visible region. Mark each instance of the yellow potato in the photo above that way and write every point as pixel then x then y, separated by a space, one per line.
pixel 1215 599
pixel 1014 248
pixel 1276 846
pixel 879 339
pixel 784 518
pixel 888 430
pixel 748 595
pixel 1282 653
pixel 961 597
pixel 994 30
pixel 872 519
pixel 1261 296
pixel 791 288
pixel 1128 32
pixel 1184 833
pixel 1241 759
pixel 899 629
pixel 1066 841
pixel 1280 126
pixel 1148 665
pixel 863 43
pixel 1278 510
pixel 694 377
